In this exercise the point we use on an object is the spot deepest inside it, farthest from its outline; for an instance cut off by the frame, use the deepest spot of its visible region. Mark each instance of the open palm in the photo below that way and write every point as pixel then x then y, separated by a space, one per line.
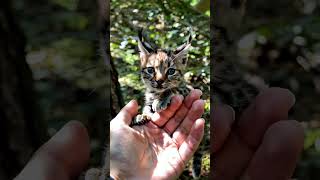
pixel 160 149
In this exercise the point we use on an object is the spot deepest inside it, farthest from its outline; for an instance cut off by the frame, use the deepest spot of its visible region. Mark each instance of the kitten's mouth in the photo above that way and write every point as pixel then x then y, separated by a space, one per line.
pixel 159 87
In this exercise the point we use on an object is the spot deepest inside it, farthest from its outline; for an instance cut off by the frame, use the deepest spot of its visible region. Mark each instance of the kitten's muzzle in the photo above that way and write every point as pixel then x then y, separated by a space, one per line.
pixel 159 83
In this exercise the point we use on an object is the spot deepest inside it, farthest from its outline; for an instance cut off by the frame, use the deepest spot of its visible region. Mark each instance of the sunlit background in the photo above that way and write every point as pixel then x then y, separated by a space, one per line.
pixel 70 76
pixel 166 23
pixel 278 43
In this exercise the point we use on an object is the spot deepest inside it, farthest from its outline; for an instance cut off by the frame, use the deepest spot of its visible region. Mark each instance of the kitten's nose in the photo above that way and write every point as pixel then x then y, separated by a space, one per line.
pixel 159 82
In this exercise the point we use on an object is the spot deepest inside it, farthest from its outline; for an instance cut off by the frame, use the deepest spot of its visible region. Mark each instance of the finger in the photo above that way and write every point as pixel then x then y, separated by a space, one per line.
pixel 64 156
pixel 183 130
pixel 236 153
pixel 231 159
pixel 191 144
pixel 161 118
pixel 127 112
pixel 222 119
pixel 278 154
pixel 192 96
pixel 270 106
pixel 175 121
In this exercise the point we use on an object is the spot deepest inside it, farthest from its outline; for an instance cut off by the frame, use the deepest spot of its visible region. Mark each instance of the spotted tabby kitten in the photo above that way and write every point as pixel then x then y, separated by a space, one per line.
pixel 162 75
pixel 229 85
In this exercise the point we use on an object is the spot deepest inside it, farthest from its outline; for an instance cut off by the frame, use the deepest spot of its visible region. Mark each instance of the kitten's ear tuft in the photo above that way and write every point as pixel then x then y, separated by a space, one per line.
pixel 182 51
pixel 144 47
pixel 190 38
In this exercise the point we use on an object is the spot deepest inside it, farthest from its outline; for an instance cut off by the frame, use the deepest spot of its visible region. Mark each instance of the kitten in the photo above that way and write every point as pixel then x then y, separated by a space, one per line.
pixel 162 75
pixel 229 85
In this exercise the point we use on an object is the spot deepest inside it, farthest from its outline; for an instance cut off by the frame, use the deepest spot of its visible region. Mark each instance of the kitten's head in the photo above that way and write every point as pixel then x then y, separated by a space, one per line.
pixel 162 69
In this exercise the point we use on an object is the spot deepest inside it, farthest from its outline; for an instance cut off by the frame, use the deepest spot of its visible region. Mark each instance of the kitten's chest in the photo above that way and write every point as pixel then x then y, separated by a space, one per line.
pixel 229 87
pixel 183 90
pixel 151 96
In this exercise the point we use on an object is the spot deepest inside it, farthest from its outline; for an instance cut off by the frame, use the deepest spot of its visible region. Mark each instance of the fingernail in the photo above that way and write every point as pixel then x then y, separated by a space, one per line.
pixel 69 130
pixel 293 102
pixel 177 98
pixel 203 120
pixel 232 111
pixel 133 101
pixel 198 92
pixel 202 102
pixel 180 97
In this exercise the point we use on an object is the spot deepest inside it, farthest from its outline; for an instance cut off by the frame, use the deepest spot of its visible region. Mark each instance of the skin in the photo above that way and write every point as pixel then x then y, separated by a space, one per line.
pixel 65 155
pixel 162 148
pixel 262 144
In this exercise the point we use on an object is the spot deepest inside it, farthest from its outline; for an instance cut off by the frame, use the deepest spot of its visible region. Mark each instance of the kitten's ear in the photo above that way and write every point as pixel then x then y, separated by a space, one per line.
pixel 144 47
pixel 182 51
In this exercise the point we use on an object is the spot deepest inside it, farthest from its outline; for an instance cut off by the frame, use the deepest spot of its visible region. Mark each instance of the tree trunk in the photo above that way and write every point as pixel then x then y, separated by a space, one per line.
pixel 113 93
pixel 113 90
pixel 203 6
pixel 21 128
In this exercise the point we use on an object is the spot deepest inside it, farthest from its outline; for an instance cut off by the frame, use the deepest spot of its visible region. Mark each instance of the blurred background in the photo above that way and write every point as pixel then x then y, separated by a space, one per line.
pixel 51 70
pixel 166 24
pixel 278 42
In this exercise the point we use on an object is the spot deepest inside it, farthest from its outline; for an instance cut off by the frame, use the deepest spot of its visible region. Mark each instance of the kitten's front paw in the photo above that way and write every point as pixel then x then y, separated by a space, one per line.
pixel 140 119
pixel 158 106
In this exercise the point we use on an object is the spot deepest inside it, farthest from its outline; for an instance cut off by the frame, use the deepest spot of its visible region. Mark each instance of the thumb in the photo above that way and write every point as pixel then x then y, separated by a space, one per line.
pixel 63 157
pixel 127 113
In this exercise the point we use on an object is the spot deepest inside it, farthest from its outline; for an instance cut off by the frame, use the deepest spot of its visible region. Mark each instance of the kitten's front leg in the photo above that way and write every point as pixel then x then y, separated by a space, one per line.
pixel 161 104
pixel 143 118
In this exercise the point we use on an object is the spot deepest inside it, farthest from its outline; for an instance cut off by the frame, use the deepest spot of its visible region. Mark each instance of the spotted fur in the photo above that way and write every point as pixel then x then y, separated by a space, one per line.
pixel 162 74
pixel 229 85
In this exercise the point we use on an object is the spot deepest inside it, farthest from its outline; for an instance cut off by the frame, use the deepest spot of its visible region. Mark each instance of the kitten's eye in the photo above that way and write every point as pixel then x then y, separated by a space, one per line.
pixel 171 71
pixel 150 70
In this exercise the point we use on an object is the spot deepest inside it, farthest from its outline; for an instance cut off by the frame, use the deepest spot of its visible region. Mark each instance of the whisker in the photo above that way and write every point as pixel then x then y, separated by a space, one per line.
pixel 88 68
pixel 92 91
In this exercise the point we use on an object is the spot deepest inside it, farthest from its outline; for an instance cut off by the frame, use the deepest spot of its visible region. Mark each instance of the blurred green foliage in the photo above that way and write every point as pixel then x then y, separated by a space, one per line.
pixel 62 51
pixel 283 49
pixel 166 23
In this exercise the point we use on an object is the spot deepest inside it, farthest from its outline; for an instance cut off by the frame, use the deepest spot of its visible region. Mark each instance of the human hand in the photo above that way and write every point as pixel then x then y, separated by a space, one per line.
pixel 63 157
pixel 66 154
pixel 261 144
pixel 161 148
